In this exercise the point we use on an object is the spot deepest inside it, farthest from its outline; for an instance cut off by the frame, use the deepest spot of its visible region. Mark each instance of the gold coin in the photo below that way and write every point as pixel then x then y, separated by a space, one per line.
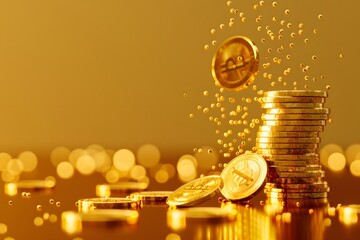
pixel 294 122
pixel 275 168
pixel 243 176
pixel 293 204
pixel 297 111
pixel 11 189
pixel 292 163
pixel 295 180
pixel 294 116
pixel 195 191
pixel 293 158
pixel 274 134
pixel 286 145
pixel 296 93
pixel 297 195
pixel 292 105
pixel 298 186
pixel 119 189
pixel 90 204
pixel 286 151
pixel 235 63
pixel 151 197
pixel 291 128
pixel 281 190
pixel 288 140
pixel 309 174
pixel 284 99
pixel 72 222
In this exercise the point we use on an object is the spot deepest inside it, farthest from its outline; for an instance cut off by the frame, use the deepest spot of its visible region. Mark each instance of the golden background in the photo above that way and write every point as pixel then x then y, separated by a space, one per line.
pixel 114 73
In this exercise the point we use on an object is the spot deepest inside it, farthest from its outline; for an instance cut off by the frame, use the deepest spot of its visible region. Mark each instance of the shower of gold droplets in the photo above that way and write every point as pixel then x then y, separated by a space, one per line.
pixel 287 61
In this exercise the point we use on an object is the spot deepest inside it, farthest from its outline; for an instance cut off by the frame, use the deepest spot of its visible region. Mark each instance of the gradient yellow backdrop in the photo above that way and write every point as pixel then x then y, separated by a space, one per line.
pixel 115 72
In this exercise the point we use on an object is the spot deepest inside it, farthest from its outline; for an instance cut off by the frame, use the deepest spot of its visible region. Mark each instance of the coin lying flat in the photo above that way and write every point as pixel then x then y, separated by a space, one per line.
pixel 295 180
pixel 297 195
pixel 292 105
pixel 151 197
pixel 274 134
pixel 286 145
pixel 290 99
pixel 294 122
pixel 297 93
pixel 235 63
pixel 294 116
pixel 288 140
pixel 286 151
pixel 291 128
pixel 195 191
pixel 90 204
pixel 306 168
pixel 293 158
pixel 243 176
pixel 297 111
pixel 12 189
pixel 72 222
pixel 308 174
pixel 119 189
pixel 292 163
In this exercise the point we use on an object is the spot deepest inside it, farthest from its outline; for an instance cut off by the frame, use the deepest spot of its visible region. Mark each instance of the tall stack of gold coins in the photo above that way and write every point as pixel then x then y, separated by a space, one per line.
pixel 289 141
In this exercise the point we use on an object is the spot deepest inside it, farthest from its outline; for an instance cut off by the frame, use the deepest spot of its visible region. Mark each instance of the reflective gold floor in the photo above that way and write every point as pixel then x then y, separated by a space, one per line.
pixel 37 215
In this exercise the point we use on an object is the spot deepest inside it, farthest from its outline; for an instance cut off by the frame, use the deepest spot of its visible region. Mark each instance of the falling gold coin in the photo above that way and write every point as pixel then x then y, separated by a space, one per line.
pixel 243 176
pixel 235 63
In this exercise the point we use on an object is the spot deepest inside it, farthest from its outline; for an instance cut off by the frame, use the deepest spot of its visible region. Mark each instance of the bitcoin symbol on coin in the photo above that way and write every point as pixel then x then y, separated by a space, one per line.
pixel 235 63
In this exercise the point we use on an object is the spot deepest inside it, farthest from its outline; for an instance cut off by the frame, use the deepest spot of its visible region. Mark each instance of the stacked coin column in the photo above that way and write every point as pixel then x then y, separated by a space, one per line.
pixel 289 141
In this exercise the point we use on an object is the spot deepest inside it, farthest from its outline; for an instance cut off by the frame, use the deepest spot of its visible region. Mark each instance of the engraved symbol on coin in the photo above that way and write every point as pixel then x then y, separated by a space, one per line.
pixel 235 63
pixel 243 175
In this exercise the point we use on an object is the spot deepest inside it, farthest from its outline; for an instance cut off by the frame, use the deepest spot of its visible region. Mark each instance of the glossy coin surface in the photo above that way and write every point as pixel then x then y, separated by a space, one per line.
pixel 281 99
pixel 294 122
pixel 285 145
pixel 90 204
pixel 287 140
pixel 296 195
pixel 195 191
pixel 286 151
pixel 149 197
pixel 273 134
pixel 296 93
pixel 292 105
pixel 297 111
pixel 294 116
pixel 235 63
pixel 119 189
pixel 291 128
pixel 243 176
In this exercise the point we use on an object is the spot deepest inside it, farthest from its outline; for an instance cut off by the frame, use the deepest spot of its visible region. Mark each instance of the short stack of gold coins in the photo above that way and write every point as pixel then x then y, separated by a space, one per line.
pixel 289 141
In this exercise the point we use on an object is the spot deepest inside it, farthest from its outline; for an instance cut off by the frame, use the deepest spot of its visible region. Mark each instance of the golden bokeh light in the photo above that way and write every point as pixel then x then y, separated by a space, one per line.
pixel 351 152
pixel 336 161
pixel 355 168
pixel 327 150
pixel 75 155
pixel 4 159
pixel 3 228
pixel 187 168
pixel 59 154
pixel 137 172
pixel 15 166
pixel 112 176
pixel 29 161
pixel 123 160
pixel 102 161
pixel 8 176
pixel 161 176
pixel 38 221
pixel 65 170
pixel 148 155
pixel 172 236
pixel 86 165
